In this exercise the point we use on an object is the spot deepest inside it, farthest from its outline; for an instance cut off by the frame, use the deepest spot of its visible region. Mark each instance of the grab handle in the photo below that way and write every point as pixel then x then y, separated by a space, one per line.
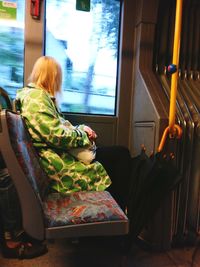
pixel 177 134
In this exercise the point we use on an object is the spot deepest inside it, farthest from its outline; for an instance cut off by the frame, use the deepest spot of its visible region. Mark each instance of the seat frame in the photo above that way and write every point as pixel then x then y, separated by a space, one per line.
pixel 32 203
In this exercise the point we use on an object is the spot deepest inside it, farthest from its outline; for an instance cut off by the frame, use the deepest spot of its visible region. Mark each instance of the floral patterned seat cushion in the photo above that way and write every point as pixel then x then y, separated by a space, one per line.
pixel 81 207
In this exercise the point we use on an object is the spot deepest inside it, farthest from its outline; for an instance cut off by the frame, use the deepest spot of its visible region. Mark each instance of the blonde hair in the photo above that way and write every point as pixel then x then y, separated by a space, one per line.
pixel 47 74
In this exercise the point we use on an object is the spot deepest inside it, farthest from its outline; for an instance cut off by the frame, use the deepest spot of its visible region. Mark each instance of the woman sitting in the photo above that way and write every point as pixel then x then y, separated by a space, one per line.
pixel 56 140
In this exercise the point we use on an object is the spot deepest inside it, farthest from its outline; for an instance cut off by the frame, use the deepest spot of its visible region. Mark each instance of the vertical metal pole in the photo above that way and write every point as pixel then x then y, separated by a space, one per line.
pixel 175 61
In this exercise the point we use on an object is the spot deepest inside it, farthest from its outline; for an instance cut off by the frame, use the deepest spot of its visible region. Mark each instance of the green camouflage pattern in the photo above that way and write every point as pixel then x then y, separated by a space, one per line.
pixel 53 137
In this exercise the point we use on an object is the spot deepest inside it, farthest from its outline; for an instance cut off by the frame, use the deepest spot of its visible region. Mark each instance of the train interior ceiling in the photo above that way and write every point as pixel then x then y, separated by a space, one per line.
pixel 146 51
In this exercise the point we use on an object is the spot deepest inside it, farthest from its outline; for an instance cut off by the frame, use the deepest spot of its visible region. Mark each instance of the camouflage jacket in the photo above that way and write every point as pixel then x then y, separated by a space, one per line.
pixel 53 139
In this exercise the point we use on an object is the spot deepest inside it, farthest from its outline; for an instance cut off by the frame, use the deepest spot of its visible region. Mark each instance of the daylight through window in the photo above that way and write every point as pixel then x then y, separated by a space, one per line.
pixel 86 46
pixel 12 45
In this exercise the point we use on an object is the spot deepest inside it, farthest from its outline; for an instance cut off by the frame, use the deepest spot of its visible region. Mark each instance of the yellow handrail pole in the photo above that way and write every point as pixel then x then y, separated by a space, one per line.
pixel 175 61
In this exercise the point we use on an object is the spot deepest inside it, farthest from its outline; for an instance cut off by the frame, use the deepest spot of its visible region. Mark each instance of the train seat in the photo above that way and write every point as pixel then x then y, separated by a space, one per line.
pixel 53 215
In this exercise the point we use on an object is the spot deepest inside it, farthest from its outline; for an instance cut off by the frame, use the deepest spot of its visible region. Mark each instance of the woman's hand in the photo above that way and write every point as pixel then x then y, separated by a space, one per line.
pixel 91 134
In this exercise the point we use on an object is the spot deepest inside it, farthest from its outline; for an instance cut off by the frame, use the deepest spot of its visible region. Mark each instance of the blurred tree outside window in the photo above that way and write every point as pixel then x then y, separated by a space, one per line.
pixel 86 46
pixel 12 47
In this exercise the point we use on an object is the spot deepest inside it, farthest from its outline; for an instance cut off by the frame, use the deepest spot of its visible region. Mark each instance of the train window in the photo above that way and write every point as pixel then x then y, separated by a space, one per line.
pixel 12 45
pixel 86 45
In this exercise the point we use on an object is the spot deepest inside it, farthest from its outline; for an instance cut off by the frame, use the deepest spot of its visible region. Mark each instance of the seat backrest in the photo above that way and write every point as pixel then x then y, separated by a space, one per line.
pixel 22 162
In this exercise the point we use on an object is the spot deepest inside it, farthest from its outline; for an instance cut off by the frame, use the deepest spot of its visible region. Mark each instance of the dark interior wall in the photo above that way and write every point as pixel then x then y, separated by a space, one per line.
pixel 126 72
pixel 147 101
pixel 136 12
pixel 146 11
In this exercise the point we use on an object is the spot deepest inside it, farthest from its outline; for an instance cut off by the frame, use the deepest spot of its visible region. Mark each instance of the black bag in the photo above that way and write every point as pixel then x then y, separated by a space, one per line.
pixel 152 179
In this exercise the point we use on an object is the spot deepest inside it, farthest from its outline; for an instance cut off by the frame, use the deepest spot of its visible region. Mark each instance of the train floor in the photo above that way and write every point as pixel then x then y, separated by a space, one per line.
pixel 105 252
